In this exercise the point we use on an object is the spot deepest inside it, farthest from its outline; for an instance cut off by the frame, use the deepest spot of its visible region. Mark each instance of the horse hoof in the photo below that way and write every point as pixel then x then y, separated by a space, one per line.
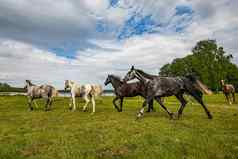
pixel 171 116
pixel 210 117
pixel 138 118
pixel 139 115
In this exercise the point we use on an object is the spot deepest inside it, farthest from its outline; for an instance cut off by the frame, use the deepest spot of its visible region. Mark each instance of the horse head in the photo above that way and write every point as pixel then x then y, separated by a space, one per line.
pixel 222 82
pixel 108 80
pixel 131 74
pixel 28 83
pixel 66 84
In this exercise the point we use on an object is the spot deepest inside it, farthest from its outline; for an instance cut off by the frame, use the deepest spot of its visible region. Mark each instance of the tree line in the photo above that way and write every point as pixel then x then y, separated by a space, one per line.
pixel 4 87
pixel 208 61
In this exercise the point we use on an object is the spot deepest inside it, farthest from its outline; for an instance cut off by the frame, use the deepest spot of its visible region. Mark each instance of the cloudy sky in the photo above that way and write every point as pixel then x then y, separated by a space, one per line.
pixel 49 41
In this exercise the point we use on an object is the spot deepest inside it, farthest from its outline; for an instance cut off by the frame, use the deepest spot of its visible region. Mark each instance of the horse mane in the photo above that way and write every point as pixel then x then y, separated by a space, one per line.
pixel 30 83
pixel 116 77
pixel 72 82
pixel 146 74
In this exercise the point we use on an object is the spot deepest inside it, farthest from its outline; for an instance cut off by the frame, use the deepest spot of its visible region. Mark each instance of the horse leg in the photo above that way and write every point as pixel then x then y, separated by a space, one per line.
pixel 50 103
pixel 70 103
pixel 36 105
pixel 121 103
pixel 74 104
pixel 86 104
pixel 114 103
pixel 233 96
pixel 150 106
pixel 93 102
pixel 30 103
pixel 199 100
pixel 227 98
pixel 159 100
pixel 47 104
pixel 183 104
pixel 146 102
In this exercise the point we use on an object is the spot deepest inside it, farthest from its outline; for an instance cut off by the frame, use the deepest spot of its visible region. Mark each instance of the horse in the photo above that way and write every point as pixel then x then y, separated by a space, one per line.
pixel 227 90
pixel 42 91
pixel 158 87
pixel 86 91
pixel 123 89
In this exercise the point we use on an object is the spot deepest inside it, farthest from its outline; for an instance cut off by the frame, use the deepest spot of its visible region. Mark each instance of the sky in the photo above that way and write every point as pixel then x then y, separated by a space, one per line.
pixel 50 41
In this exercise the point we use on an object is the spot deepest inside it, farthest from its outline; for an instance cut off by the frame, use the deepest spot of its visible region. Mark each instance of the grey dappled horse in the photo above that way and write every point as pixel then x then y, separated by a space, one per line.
pixel 36 92
pixel 158 87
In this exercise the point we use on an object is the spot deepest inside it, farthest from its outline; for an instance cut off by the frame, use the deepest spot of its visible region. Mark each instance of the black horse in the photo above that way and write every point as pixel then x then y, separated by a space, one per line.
pixel 123 89
pixel 158 87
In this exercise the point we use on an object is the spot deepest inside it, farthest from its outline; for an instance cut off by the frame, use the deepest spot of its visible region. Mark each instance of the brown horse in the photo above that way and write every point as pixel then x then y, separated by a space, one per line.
pixel 123 89
pixel 228 89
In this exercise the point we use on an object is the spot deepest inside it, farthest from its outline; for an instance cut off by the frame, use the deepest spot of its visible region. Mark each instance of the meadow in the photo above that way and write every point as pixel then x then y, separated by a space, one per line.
pixel 63 134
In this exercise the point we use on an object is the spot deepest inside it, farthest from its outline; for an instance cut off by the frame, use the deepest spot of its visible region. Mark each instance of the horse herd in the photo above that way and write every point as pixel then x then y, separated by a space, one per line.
pixel 150 87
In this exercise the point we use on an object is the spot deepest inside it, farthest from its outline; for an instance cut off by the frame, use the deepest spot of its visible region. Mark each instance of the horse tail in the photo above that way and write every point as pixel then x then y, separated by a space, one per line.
pixel 198 84
pixel 55 93
pixel 96 90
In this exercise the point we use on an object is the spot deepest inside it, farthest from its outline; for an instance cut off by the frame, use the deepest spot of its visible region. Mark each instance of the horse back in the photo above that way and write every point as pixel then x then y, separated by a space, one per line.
pixel 166 86
pixel 229 88
pixel 48 90
pixel 132 89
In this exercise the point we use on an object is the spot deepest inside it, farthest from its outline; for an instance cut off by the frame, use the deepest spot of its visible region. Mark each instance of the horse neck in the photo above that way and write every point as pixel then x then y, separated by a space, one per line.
pixel 28 86
pixel 141 77
pixel 116 83
pixel 146 75
pixel 222 83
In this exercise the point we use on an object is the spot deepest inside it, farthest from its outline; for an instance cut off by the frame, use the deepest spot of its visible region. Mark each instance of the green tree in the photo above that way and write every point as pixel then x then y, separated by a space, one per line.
pixel 208 61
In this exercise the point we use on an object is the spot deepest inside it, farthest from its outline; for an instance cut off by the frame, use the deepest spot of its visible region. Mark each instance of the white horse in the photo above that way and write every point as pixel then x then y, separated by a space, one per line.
pixel 87 91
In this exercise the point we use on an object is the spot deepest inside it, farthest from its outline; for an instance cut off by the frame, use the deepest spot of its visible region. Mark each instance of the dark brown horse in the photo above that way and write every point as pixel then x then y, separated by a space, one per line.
pixel 228 89
pixel 123 89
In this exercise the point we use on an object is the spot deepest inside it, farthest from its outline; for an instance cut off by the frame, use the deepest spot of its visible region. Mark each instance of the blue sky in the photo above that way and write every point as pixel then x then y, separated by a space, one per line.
pixel 83 40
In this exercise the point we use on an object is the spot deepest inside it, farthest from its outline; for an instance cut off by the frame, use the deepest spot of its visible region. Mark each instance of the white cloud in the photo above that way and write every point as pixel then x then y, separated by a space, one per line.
pixel 21 61
pixel 21 56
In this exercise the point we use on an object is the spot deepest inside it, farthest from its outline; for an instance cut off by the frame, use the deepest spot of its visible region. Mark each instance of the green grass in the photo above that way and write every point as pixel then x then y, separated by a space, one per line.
pixel 63 134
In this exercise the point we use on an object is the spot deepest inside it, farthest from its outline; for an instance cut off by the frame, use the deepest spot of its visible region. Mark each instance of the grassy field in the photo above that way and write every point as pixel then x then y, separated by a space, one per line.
pixel 63 134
